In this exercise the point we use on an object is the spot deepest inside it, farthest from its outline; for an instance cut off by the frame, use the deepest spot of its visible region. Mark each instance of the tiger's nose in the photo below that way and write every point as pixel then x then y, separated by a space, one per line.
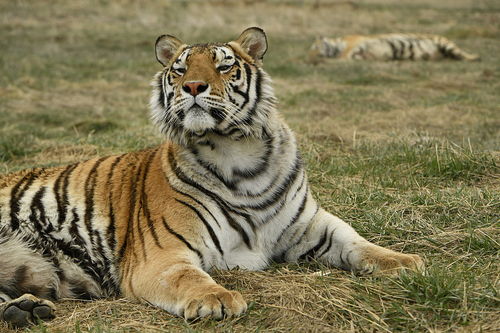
pixel 194 87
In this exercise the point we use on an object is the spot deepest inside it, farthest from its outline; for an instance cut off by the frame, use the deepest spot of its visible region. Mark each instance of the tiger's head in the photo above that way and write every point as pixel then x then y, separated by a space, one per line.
pixel 326 47
pixel 212 89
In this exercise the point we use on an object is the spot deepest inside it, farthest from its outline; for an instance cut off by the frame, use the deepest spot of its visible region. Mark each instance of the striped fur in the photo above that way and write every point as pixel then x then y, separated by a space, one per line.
pixel 389 47
pixel 228 189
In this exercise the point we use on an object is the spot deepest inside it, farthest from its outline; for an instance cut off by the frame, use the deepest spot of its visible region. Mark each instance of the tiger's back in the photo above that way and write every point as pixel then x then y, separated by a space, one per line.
pixel 389 47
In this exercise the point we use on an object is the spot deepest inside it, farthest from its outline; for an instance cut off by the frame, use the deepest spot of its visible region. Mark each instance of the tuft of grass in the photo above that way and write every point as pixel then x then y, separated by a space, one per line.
pixel 93 126
pixel 14 147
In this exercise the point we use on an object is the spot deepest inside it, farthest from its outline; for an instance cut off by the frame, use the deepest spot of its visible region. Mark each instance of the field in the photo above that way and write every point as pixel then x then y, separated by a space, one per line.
pixel 406 152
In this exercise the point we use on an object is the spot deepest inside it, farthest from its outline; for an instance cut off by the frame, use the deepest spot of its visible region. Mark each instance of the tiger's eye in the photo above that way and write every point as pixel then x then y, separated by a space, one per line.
pixel 224 68
pixel 180 71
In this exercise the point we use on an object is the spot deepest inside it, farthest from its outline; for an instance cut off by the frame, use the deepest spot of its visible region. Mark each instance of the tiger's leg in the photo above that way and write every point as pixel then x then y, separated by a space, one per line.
pixel 180 286
pixel 331 240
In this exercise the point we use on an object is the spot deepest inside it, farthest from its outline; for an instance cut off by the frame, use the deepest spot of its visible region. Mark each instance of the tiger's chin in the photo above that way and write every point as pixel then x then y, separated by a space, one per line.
pixel 198 121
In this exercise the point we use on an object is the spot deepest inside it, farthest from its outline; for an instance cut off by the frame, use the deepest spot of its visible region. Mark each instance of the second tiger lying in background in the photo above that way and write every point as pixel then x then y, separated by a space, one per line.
pixel 388 47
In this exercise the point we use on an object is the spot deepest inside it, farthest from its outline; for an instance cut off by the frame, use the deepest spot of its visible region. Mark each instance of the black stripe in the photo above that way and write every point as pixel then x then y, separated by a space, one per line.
pixel 223 52
pixel 393 49
pixel 329 246
pixel 342 260
pixel 258 82
pixel 447 51
pixel 245 94
pixel 231 99
pixel 65 200
pixel 345 263
pixel 110 232
pixel 296 216
pixel 142 175
pixel 170 95
pixel 314 249
pixel 412 53
pixel 37 214
pixel 168 79
pixel 228 131
pixel 17 193
pixel 248 72
pixel 237 75
pixel 302 182
pixel 182 239
pixel 161 97
pixel 61 184
pixel 90 184
pixel 217 114
pixel 180 114
pixel 207 225
pixel 129 232
pixel 144 200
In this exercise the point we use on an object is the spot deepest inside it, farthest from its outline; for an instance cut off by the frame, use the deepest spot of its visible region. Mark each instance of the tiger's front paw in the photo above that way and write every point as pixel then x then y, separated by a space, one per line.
pixel 27 310
pixel 218 304
pixel 376 259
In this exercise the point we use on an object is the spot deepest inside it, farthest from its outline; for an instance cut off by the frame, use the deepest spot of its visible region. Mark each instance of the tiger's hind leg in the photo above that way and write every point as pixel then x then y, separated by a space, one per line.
pixel 26 310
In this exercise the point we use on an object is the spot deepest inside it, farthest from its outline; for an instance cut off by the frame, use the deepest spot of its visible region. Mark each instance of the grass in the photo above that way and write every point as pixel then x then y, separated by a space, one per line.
pixel 407 152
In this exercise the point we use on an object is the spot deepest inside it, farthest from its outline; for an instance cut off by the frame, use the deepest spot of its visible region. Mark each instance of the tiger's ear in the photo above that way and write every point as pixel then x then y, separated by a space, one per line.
pixel 254 42
pixel 165 47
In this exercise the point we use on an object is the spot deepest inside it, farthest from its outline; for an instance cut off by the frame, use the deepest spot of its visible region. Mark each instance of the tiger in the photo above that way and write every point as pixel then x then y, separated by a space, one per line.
pixel 226 189
pixel 386 47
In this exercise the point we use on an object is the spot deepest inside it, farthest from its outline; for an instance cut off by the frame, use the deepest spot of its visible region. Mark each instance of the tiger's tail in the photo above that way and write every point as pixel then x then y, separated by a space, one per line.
pixel 450 50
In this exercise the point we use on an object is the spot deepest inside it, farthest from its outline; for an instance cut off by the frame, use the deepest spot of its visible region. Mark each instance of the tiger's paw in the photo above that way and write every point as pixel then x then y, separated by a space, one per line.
pixel 218 304
pixel 376 259
pixel 27 310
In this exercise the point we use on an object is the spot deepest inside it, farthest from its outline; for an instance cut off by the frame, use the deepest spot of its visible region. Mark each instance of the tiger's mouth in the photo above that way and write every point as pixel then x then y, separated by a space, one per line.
pixel 198 120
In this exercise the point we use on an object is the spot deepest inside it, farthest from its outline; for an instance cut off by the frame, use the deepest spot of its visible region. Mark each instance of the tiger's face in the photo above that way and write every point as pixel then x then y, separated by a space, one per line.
pixel 326 47
pixel 207 89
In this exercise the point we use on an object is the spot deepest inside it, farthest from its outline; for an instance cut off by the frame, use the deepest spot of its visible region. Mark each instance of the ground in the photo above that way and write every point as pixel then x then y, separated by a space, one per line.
pixel 406 152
